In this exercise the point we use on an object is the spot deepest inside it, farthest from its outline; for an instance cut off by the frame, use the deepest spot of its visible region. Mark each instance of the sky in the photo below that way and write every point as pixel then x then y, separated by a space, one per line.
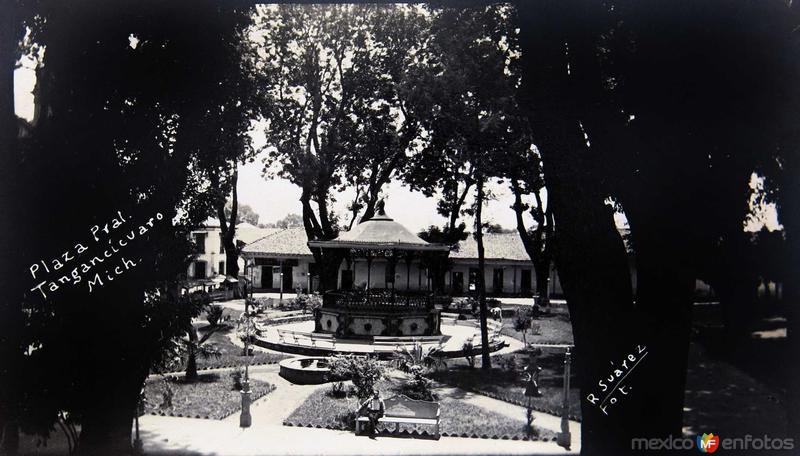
pixel 274 198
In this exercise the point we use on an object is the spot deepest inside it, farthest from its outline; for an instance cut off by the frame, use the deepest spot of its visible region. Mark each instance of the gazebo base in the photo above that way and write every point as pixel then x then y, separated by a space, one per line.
pixel 363 324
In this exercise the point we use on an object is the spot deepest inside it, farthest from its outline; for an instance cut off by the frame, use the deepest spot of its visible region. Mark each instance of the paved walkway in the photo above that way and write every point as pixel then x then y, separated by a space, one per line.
pixel 267 435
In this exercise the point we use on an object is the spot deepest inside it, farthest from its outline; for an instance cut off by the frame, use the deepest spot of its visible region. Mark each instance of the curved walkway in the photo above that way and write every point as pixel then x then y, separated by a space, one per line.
pixel 267 435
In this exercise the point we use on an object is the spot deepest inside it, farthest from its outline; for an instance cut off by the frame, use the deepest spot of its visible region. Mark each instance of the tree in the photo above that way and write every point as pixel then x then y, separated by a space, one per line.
pixel 603 131
pixel 106 124
pixel 290 221
pixel 525 178
pixel 329 73
pixel 467 95
pixel 244 214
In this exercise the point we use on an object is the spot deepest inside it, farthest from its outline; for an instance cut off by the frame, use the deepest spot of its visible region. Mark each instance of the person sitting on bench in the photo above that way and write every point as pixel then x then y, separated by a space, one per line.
pixel 374 408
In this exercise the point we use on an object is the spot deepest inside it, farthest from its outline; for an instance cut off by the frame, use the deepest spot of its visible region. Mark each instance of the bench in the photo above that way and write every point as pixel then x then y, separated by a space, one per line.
pixel 319 336
pixel 398 341
pixel 283 334
pixel 296 336
pixel 403 410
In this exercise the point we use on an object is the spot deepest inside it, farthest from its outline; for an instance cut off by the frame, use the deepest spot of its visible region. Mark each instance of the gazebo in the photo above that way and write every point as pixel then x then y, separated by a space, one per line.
pixel 368 311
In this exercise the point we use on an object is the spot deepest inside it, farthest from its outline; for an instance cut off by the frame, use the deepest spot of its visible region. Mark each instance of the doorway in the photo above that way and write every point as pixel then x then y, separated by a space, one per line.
pixel 287 278
pixel 458 282
pixel 266 276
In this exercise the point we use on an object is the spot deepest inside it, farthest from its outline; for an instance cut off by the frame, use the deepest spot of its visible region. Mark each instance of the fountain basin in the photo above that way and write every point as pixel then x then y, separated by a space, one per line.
pixel 305 370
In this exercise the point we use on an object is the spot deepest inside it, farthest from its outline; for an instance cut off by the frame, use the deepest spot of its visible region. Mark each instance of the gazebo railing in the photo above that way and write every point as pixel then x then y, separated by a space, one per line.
pixel 378 299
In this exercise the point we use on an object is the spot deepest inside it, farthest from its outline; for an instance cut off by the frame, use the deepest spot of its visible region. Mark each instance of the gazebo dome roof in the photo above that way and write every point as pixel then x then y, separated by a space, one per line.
pixel 380 231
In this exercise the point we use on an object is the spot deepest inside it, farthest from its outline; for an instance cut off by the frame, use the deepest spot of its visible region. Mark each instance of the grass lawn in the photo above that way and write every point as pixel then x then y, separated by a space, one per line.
pixel 552 326
pixel 457 417
pixel 212 396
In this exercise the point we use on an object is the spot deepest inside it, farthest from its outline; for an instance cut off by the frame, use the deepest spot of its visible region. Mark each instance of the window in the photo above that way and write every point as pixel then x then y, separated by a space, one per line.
pixel 221 267
pixel 200 241
pixel 221 245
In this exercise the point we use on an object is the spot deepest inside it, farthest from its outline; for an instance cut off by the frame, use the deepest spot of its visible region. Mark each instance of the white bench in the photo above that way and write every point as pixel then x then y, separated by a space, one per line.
pixel 297 336
pixel 321 336
pixel 398 341
pixel 402 410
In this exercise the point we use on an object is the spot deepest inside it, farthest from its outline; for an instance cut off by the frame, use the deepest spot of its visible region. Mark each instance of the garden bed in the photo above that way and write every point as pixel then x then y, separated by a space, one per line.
pixel 457 418
pixel 211 396
pixel 230 354
pixel 504 381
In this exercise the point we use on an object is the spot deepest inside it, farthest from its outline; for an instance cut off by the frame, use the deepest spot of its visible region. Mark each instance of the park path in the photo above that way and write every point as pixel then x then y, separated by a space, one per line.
pixel 279 404
pixel 267 436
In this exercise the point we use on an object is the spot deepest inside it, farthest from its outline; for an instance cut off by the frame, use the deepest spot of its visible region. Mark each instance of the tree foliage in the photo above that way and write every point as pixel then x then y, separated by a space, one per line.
pixel 332 76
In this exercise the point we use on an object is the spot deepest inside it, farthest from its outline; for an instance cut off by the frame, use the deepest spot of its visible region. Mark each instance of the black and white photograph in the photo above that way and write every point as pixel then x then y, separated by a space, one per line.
pixel 445 227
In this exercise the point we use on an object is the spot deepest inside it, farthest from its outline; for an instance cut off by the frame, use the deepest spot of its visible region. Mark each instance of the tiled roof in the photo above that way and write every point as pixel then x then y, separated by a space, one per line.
pixel 248 233
pixel 292 241
pixel 380 229
pixel 289 241
pixel 496 246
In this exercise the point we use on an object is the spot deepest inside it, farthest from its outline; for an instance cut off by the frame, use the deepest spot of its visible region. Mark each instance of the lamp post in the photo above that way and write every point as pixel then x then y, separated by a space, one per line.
pixel 564 437
pixel 245 419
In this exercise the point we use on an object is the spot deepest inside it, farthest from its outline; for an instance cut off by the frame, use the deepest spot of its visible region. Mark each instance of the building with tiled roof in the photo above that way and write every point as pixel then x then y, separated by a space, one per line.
pixel 509 270
pixel 496 246
pixel 210 256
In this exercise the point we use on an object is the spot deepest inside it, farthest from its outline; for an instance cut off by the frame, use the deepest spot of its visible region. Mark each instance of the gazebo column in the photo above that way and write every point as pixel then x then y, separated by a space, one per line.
pixel 391 263
pixel 369 269
pixel 409 259
pixel 351 266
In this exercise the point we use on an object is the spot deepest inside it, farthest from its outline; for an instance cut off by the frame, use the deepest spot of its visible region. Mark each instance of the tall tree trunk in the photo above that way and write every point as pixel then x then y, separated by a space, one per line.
pixel 229 229
pixel 542 282
pixel 589 252
pixel 538 248
pixel 107 424
pixel 486 360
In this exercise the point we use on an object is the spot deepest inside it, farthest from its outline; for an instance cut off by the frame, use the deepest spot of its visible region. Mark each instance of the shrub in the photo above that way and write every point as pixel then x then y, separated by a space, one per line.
pixel 305 301
pixel 166 395
pixel 337 389
pixel 214 314
pixel 420 387
pixel 510 364
pixel 493 302
pixel 461 316
pixel 470 303
pixel 256 306
pixel 468 347
pixel 522 323
pixel 363 371
pixel 426 358
pixel 236 377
